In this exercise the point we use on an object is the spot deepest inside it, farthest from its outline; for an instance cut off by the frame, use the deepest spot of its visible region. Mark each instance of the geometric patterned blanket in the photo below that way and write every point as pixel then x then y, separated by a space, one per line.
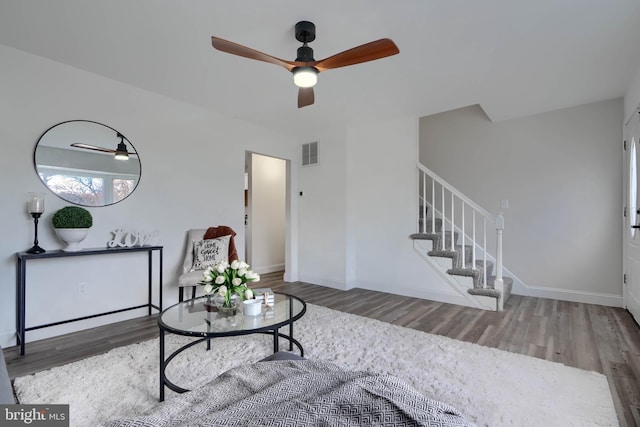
pixel 300 393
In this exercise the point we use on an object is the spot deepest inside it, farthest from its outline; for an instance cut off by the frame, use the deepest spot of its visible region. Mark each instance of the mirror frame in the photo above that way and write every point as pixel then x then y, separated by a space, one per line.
pixel 116 132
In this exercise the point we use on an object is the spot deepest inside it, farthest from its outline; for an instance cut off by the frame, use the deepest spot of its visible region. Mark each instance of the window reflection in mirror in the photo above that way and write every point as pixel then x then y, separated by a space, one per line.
pixel 87 163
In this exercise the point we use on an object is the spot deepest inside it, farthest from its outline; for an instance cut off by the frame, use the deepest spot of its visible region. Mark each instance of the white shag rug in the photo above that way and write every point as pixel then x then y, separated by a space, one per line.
pixel 491 387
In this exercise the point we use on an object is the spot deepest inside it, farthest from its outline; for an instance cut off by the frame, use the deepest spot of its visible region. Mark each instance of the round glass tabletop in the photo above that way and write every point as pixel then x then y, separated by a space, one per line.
pixel 194 318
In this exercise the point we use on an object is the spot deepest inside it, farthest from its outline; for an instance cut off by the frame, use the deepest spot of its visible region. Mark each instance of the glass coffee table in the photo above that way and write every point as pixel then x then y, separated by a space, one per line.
pixel 194 318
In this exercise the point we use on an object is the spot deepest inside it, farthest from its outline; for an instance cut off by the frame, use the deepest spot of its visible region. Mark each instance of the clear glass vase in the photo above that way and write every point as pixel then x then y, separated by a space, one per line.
pixel 228 309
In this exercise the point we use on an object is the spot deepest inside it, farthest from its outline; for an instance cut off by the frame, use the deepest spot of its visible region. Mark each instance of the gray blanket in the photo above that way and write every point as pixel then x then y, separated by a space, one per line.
pixel 300 393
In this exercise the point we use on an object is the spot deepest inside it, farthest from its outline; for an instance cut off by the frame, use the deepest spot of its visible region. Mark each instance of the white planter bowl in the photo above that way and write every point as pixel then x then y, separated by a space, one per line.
pixel 72 237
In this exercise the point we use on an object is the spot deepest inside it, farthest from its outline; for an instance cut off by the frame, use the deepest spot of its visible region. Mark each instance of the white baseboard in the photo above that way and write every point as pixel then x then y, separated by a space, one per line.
pixel 609 300
pixel 585 297
pixel 268 269
pixel 335 284
pixel 7 339
pixel 432 296
pixel 446 298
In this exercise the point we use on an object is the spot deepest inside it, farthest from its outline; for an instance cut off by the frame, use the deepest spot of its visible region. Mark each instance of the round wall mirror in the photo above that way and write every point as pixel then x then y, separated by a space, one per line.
pixel 87 163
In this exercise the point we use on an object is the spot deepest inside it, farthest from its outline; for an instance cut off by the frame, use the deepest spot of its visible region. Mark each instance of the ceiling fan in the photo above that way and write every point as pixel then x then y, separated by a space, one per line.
pixel 305 69
pixel 120 153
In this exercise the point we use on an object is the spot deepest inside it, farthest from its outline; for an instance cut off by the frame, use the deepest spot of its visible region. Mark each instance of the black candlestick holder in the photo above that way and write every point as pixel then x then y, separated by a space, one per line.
pixel 36 249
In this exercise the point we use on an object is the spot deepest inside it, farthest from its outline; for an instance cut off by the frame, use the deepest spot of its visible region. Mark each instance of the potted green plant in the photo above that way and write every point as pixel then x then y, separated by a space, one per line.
pixel 72 224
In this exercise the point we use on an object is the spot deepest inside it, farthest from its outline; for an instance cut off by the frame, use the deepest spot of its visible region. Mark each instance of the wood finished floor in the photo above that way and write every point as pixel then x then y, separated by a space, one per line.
pixel 592 337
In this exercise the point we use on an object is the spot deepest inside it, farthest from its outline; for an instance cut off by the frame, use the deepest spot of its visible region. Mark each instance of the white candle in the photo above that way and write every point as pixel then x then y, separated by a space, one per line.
pixel 36 205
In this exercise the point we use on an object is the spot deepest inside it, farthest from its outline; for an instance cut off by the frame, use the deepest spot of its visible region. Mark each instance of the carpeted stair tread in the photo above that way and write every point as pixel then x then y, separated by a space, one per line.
pixel 505 280
pixel 491 280
pixel 465 272
pixel 507 283
pixel 484 292
pixel 477 274
pixel 443 254
pixel 423 236
pixel 436 238
pixel 468 251
pixel 489 291
pixel 447 239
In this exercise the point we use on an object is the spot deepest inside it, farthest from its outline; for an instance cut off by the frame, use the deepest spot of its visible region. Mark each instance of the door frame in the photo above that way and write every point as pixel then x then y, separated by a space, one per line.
pixel 631 141
pixel 249 231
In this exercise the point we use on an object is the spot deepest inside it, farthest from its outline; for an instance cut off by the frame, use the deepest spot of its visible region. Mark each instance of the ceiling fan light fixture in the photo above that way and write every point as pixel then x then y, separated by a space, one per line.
pixel 121 152
pixel 305 76
pixel 305 68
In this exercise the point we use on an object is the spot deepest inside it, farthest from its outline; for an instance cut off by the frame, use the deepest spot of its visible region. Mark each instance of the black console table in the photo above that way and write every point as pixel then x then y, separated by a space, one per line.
pixel 22 276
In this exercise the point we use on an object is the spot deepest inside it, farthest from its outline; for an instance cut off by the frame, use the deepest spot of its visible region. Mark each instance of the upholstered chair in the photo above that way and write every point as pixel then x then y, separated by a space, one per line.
pixel 191 270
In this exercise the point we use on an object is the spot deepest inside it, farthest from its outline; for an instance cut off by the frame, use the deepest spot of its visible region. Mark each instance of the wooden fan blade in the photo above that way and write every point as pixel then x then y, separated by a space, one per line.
pixel 237 49
pixel 96 148
pixel 92 147
pixel 363 53
pixel 305 96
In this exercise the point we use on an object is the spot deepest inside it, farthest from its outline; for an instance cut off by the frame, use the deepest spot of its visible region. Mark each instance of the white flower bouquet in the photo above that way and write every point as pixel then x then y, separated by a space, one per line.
pixel 229 279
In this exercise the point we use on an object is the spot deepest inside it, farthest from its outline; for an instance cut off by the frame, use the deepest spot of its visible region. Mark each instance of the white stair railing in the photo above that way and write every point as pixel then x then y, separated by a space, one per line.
pixel 433 195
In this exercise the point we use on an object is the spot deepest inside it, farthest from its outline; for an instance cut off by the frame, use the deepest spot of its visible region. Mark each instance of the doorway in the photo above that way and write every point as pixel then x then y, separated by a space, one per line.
pixel 631 288
pixel 265 212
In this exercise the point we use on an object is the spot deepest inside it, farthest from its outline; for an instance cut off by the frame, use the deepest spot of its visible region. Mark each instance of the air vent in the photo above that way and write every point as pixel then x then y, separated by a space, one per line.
pixel 310 154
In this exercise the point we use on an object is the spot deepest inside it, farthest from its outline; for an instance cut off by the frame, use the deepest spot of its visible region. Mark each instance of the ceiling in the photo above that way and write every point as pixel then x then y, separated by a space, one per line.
pixel 513 57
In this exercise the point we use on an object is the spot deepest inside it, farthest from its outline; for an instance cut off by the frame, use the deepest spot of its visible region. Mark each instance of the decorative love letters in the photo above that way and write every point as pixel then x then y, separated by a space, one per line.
pixel 128 239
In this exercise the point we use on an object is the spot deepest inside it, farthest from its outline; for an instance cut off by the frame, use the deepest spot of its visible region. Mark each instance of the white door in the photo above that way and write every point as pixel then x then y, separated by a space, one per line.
pixel 631 292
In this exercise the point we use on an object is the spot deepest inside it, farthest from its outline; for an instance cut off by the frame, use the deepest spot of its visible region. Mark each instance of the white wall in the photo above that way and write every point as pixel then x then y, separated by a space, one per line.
pixel 632 97
pixel 321 220
pixel 561 172
pixel 267 213
pixel 381 212
pixel 358 210
pixel 198 186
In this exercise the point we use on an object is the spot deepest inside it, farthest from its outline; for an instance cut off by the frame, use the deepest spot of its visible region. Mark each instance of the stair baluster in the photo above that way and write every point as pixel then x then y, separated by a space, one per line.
pixel 444 222
pixel 484 284
pixel 484 250
pixel 453 226
pixel 464 238
pixel 433 204
pixel 498 284
pixel 424 203
pixel 473 247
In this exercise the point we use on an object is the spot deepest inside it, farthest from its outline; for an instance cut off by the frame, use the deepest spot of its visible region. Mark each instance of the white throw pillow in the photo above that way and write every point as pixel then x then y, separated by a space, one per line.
pixel 209 252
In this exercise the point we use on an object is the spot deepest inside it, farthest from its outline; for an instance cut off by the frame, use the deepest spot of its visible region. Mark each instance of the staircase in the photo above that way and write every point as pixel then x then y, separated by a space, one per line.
pixel 452 237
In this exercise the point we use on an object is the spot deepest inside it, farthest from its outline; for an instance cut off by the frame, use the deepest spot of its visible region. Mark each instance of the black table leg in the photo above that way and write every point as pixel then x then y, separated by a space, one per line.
pixel 163 366
pixel 21 303
pixel 160 283
pixel 290 324
pixel 276 341
pixel 150 279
